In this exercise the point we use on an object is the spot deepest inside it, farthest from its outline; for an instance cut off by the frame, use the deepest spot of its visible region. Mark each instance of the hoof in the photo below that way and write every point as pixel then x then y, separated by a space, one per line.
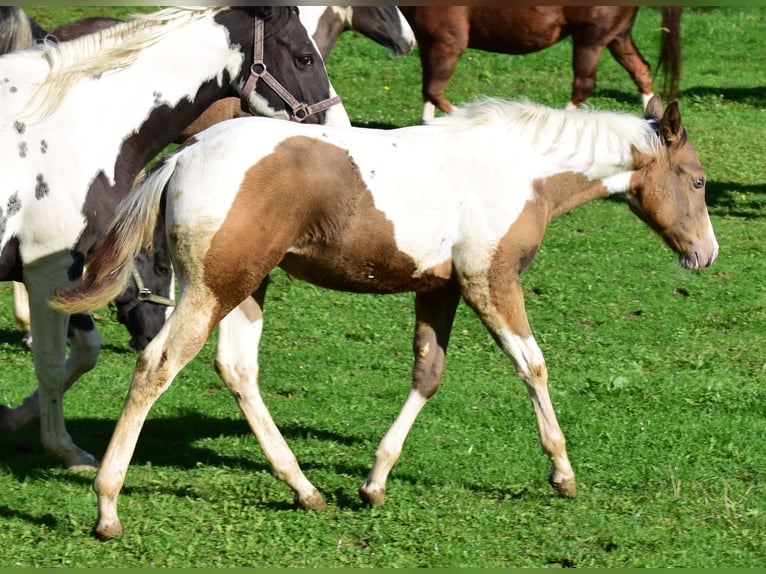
pixel 81 462
pixel 565 486
pixel 374 497
pixel 107 532
pixel 312 502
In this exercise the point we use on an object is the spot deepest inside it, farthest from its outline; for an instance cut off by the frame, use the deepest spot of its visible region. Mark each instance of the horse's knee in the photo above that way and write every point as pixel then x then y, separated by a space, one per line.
pixel 428 369
pixel 84 341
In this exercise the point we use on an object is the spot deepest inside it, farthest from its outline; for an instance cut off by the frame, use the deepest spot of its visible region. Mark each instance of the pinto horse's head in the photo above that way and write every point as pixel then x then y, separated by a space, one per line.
pixel 283 74
pixel 668 191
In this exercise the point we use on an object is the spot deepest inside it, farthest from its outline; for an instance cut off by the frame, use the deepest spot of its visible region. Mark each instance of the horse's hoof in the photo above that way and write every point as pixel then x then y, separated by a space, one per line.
pixel 313 501
pixel 565 486
pixel 81 462
pixel 107 531
pixel 372 497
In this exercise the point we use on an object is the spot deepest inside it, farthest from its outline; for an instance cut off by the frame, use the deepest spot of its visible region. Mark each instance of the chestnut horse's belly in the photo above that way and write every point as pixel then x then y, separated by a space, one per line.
pixel 521 30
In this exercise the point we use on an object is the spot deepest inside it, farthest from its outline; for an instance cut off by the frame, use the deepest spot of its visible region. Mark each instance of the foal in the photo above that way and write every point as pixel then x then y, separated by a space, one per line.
pixel 342 209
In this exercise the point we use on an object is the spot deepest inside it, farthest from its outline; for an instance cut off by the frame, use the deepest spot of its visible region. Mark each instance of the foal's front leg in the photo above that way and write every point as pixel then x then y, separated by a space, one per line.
pixel 504 315
pixel 237 363
pixel 434 314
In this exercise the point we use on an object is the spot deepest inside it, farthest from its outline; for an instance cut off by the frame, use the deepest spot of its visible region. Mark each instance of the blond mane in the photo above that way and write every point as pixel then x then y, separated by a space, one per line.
pixel 583 133
pixel 106 50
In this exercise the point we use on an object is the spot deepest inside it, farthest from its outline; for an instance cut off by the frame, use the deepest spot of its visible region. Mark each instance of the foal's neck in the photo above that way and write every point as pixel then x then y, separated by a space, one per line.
pixel 564 191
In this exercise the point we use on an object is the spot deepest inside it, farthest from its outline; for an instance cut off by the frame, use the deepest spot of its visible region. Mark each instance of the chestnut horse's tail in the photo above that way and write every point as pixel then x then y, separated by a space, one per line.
pixel 109 270
pixel 670 52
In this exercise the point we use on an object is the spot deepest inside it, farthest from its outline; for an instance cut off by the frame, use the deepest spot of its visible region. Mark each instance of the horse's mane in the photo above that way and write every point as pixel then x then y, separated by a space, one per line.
pixel 569 133
pixel 106 50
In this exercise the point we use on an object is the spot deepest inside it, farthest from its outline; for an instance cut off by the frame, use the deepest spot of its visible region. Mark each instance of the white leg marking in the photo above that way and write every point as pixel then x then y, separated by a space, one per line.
pixel 429 111
pixel 530 367
pixel 237 363
pixel 374 490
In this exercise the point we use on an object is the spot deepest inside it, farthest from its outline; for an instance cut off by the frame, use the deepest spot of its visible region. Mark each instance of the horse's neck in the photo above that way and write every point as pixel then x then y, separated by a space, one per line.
pixel 151 101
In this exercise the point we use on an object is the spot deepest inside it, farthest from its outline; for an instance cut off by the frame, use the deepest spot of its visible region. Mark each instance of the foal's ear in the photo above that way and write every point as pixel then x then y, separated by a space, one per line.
pixel 672 130
pixel 653 109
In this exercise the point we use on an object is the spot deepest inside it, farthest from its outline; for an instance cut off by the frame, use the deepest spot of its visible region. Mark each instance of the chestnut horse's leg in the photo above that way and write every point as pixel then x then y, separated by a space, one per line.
pixel 504 316
pixel 237 363
pixel 177 343
pixel 585 55
pixel 434 314
pixel 441 41
pixel 627 55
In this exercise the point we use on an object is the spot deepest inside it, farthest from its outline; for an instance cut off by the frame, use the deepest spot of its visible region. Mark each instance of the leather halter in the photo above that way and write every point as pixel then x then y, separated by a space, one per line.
pixel 258 71
pixel 145 295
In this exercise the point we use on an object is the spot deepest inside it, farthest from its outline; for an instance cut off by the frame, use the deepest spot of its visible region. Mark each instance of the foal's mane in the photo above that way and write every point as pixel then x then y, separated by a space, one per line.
pixel 580 135
pixel 109 49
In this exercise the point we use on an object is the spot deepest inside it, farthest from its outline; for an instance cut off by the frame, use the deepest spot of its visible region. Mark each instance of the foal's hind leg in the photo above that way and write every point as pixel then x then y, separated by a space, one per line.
pixel 179 341
pixel 434 314
pixel 237 363
pixel 504 315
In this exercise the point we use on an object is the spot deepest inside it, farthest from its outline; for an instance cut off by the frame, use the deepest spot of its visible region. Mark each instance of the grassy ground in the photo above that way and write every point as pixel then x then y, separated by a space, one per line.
pixel 657 376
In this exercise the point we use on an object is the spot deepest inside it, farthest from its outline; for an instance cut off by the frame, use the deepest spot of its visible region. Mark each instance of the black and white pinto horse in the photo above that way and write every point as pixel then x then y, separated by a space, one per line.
pixel 454 209
pixel 141 308
pixel 81 119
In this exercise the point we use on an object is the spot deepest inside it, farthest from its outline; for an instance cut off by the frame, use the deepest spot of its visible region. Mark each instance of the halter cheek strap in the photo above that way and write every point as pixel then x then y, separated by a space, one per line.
pixel 259 71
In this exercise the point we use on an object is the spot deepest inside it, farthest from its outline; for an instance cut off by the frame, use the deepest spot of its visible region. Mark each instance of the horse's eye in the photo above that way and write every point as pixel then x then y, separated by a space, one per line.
pixel 305 61
pixel 698 182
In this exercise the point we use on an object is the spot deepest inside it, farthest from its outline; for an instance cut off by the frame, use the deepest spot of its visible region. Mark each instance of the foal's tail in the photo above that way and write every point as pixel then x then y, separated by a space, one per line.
pixel 670 52
pixel 109 270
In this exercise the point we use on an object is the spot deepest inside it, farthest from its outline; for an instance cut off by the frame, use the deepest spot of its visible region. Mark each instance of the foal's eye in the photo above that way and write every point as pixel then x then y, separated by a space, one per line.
pixel 698 182
pixel 304 61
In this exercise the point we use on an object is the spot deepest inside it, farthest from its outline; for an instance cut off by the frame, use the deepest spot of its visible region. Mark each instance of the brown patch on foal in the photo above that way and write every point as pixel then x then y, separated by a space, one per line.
pixel 306 208
pixel 517 249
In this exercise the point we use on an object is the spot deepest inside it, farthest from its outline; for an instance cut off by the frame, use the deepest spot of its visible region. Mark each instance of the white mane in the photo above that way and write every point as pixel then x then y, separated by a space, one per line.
pixel 576 137
pixel 107 50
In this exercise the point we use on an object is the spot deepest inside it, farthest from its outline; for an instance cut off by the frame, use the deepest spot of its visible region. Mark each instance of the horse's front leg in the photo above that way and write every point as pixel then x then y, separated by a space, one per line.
pixel 21 312
pixel 504 315
pixel 84 344
pixel 434 314
pixel 237 363
pixel 54 374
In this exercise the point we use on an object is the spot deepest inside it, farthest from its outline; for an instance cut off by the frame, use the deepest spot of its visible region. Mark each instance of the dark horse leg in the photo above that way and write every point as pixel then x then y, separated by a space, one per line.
pixel 444 40
pixel 434 314
pixel 627 55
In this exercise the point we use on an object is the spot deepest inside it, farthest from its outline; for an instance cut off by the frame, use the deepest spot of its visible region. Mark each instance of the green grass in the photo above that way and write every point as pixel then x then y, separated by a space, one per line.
pixel 657 376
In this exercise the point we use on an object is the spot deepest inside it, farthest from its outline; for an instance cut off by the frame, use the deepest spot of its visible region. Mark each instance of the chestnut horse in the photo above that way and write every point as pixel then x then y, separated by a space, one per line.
pixel 82 118
pixel 444 32
pixel 454 209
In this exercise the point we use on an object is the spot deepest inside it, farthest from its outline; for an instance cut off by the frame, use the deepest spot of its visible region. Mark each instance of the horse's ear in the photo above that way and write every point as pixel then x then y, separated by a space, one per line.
pixel 672 129
pixel 653 109
pixel 264 12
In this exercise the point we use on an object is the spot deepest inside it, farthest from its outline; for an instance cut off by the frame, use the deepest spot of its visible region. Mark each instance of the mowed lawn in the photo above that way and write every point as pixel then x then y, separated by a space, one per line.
pixel 657 375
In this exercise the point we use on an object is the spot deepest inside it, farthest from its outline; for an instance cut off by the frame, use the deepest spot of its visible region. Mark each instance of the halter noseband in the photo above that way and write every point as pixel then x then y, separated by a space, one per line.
pixel 258 71
pixel 144 295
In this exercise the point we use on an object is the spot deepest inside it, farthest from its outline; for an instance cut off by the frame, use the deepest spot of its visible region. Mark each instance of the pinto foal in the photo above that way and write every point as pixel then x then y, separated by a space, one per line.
pixel 339 207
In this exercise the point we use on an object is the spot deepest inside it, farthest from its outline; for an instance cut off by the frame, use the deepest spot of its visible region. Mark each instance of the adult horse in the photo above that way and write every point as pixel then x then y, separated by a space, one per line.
pixel 82 118
pixel 444 32
pixel 453 209
pixel 140 307
pixel 384 24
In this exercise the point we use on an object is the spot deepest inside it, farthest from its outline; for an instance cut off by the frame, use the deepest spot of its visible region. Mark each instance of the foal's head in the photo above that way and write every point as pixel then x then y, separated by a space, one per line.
pixel 668 192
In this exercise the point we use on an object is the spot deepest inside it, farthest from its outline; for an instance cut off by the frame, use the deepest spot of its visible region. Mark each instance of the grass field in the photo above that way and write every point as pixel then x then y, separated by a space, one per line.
pixel 658 377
